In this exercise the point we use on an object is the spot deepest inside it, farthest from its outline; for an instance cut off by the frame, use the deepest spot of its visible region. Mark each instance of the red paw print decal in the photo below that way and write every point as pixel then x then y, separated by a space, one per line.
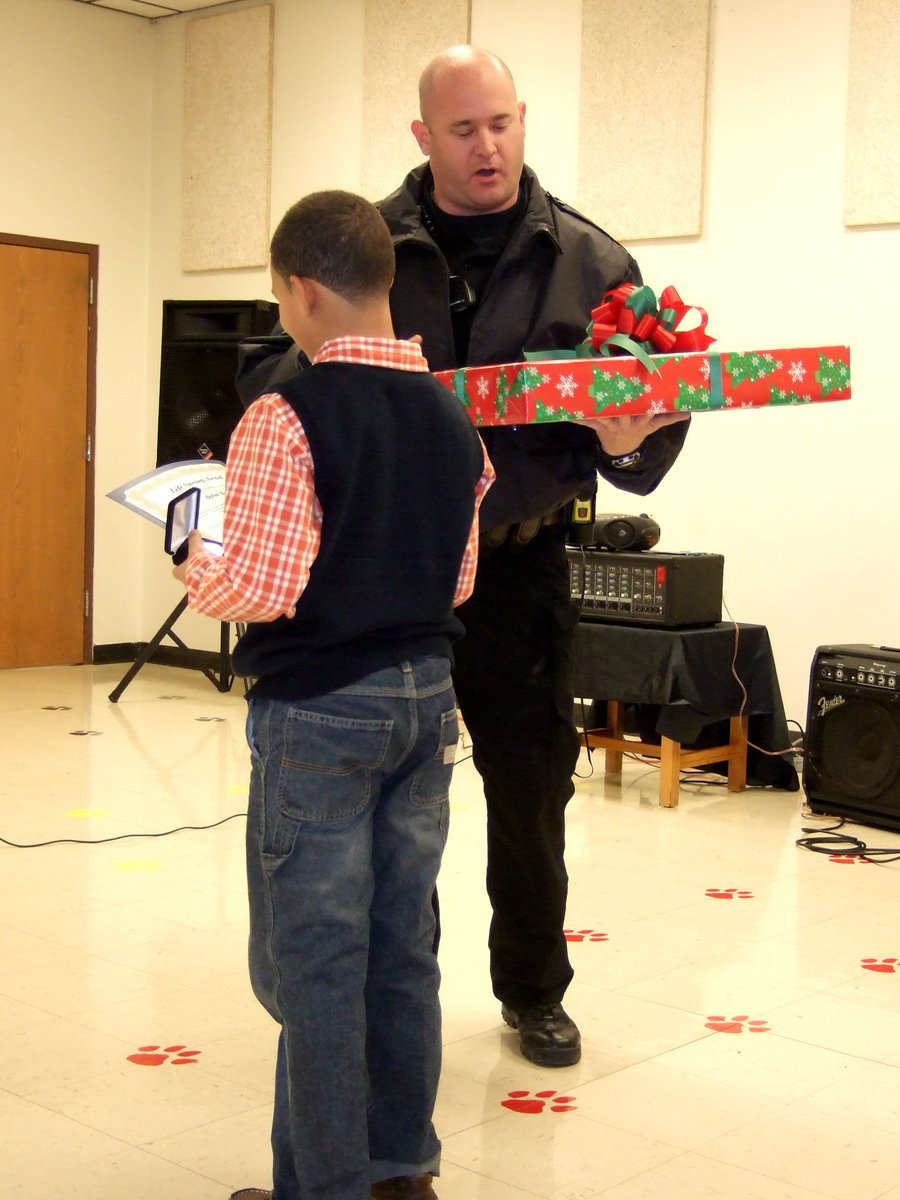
pixel 585 935
pixel 525 1102
pixel 155 1056
pixel 736 1025
pixel 848 859
pixel 727 894
pixel 886 965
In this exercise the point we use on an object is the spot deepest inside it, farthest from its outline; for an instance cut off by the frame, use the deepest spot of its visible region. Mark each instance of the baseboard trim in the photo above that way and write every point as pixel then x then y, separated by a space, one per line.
pixel 166 656
pixel 116 652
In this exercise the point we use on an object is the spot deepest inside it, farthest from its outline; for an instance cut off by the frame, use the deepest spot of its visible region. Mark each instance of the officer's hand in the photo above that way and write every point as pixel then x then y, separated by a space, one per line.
pixel 622 435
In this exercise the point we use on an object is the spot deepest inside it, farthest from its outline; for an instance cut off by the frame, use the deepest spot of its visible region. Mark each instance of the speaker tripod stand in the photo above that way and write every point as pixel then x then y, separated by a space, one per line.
pixel 220 674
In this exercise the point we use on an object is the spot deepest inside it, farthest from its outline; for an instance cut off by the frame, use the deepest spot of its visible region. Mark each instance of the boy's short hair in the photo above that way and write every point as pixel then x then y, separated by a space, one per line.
pixel 337 239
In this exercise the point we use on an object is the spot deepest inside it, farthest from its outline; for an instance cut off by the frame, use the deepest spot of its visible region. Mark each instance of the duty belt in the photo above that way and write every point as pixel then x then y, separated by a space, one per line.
pixel 517 535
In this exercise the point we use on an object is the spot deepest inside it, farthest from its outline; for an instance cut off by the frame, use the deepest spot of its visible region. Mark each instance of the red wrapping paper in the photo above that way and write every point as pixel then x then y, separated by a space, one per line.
pixel 572 388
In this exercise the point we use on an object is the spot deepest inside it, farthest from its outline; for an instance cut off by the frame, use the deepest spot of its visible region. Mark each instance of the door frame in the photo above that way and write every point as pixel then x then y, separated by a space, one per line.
pixel 93 254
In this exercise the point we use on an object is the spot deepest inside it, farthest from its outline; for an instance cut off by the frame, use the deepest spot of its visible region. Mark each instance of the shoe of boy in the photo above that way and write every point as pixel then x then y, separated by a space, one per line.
pixel 251 1194
pixel 547 1034
pixel 404 1187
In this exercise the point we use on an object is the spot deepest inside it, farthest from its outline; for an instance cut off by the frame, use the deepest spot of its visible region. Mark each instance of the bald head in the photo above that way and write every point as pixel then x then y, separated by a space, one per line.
pixel 472 129
pixel 456 63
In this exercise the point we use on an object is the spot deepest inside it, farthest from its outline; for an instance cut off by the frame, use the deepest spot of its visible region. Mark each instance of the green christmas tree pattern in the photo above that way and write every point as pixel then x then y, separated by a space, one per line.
pixel 780 396
pixel 545 412
pixel 832 375
pixel 523 381
pixel 750 367
pixel 692 398
pixel 502 395
pixel 614 390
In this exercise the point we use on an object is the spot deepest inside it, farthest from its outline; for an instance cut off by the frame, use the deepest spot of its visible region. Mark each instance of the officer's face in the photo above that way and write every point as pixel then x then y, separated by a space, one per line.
pixel 474 135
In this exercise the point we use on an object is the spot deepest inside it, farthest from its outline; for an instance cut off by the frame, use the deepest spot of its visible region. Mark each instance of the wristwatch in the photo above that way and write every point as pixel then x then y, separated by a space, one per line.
pixel 626 460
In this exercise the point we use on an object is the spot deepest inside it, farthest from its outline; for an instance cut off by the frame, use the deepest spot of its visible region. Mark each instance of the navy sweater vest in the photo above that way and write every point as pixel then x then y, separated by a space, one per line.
pixel 396 462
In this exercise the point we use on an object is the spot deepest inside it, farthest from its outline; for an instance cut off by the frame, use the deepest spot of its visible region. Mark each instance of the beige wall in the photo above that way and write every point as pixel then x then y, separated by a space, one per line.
pixel 75 127
pixel 801 502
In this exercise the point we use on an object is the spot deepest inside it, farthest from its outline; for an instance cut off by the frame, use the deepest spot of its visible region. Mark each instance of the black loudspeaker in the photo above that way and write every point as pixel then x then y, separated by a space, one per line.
pixel 851 766
pixel 619 531
pixel 198 404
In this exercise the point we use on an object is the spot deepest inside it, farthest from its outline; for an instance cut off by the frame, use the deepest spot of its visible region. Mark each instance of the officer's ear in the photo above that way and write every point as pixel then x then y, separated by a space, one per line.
pixel 422 134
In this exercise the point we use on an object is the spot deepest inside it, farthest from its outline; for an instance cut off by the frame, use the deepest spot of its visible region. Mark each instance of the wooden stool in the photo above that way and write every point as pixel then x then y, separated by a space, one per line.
pixel 672 758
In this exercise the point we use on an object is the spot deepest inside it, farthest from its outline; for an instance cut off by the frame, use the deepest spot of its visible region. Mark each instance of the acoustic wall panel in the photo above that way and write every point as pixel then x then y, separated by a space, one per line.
pixel 227 140
pixel 644 70
pixel 872 165
pixel 401 36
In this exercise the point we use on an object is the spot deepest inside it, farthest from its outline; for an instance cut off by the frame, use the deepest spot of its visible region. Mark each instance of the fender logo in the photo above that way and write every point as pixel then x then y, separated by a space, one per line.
pixel 826 705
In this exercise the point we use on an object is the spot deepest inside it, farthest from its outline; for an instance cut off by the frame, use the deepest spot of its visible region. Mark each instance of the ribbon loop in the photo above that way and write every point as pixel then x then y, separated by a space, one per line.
pixel 630 314
pixel 629 319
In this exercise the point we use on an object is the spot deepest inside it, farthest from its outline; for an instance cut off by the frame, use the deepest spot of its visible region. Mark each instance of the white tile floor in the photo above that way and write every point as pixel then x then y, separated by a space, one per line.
pixel 742 1048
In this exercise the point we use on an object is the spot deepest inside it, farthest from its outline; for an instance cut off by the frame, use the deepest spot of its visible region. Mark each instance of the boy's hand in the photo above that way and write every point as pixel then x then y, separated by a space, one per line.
pixel 195 545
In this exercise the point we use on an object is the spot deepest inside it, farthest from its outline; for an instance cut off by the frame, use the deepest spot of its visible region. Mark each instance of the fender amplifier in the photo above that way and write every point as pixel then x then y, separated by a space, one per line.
pixel 851 766
pixel 668 591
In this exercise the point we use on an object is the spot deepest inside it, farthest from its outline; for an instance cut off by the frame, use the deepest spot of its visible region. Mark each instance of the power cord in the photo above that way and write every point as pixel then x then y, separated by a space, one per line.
pixel 740 683
pixel 821 841
pixel 118 838
pixel 165 833
pixel 653 762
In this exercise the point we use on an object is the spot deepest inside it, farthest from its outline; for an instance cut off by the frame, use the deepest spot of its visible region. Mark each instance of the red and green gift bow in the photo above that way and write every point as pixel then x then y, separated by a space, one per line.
pixel 630 319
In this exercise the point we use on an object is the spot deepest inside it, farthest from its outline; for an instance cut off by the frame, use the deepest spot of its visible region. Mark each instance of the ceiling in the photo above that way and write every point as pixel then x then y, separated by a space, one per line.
pixel 151 10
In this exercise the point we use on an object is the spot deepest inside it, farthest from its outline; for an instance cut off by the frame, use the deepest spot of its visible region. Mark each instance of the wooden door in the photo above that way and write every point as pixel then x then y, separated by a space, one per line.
pixel 47 348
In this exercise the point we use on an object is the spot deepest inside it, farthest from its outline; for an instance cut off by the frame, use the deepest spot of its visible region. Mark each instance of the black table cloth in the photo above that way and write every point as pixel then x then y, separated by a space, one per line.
pixel 681 685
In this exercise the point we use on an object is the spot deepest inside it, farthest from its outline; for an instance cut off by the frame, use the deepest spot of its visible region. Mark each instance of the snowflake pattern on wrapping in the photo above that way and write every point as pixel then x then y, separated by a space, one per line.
pixel 581 389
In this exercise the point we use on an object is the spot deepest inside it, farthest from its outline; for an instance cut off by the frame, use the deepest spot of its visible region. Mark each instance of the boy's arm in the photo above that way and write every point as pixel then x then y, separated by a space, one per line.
pixel 466 581
pixel 270 539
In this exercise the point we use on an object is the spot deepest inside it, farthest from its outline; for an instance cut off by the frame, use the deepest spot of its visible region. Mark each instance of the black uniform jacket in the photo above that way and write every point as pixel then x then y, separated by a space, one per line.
pixel 555 268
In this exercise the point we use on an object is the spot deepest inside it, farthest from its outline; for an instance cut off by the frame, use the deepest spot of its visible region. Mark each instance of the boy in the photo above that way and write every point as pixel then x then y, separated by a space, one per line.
pixel 350 533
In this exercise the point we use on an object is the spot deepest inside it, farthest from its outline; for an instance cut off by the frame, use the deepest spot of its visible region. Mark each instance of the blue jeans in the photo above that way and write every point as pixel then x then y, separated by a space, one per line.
pixel 347 822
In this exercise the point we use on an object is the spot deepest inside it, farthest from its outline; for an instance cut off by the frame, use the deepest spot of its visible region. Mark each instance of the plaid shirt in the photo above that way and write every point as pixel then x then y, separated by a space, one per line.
pixel 273 519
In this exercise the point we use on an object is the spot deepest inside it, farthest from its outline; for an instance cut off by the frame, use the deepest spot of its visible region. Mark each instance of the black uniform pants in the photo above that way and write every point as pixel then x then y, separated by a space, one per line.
pixel 513 680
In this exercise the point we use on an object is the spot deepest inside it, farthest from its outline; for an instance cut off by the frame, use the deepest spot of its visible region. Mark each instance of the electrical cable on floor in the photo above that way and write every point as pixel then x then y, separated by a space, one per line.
pixel 693 774
pixel 118 838
pixel 165 833
pixel 821 841
pixel 654 762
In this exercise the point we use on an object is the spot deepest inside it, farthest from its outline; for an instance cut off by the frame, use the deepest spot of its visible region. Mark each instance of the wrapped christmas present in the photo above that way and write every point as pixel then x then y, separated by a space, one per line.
pixel 641 356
